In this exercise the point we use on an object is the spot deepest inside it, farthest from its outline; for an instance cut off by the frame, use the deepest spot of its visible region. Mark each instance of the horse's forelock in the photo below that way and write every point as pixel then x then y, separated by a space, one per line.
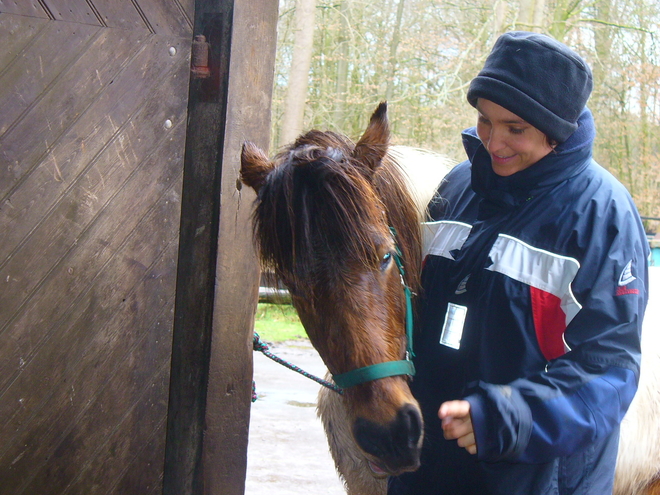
pixel 315 206
pixel 322 140
pixel 313 209
pixel 308 155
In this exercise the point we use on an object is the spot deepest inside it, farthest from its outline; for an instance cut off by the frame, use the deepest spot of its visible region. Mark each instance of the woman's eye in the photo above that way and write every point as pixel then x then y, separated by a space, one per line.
pixel 515 130
pixel 385 260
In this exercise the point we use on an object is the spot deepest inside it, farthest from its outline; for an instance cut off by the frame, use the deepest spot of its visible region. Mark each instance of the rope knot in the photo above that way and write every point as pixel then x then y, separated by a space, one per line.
pixel 257 344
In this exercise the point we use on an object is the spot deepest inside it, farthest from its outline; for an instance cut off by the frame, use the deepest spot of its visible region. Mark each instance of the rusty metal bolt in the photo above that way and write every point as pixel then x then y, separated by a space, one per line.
pixel 200 57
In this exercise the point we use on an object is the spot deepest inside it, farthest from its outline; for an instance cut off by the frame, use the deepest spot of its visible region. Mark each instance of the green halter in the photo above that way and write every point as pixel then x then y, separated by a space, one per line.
pixel 390 368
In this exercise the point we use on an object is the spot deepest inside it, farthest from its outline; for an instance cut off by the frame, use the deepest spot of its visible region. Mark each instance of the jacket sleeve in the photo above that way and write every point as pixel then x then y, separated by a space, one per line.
pixel 582 395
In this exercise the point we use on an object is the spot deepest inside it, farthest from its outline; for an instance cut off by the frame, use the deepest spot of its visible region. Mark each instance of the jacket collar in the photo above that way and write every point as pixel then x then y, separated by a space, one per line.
pixel 567 160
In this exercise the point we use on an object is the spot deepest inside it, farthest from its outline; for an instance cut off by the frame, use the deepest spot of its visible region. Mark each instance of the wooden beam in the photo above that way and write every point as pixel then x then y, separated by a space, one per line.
pixel 217 285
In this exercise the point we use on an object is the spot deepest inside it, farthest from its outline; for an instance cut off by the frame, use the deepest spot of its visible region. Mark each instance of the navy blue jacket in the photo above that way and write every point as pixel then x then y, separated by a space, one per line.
pixel 534 289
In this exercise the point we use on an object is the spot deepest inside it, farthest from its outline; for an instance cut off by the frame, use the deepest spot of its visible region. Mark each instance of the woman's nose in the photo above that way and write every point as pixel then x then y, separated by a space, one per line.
pixel 495 141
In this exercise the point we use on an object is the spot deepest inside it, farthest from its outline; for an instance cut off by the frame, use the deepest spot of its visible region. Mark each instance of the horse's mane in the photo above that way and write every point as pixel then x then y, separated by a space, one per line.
pixel 403 215
pixel 317 178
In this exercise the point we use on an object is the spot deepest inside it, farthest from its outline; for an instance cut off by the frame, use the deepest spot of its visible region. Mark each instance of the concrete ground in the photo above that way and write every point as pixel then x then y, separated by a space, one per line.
pixel 287 452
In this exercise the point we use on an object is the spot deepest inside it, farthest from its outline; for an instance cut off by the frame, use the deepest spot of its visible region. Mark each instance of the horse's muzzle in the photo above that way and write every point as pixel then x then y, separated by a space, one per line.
pixel 396 447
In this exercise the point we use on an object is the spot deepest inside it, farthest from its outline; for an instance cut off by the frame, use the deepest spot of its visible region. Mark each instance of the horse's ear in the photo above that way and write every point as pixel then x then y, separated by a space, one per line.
pixel 255 166
pixel 372 146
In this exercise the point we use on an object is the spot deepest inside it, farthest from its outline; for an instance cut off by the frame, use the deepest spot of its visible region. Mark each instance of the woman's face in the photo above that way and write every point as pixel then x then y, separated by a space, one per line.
pixel 512 143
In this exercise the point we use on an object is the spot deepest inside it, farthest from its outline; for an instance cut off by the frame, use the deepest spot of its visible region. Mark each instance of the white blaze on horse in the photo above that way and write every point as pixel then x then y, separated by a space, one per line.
pixel 335 221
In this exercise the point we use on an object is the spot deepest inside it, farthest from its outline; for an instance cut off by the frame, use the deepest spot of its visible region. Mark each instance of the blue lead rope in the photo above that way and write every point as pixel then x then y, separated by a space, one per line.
pixel 259 345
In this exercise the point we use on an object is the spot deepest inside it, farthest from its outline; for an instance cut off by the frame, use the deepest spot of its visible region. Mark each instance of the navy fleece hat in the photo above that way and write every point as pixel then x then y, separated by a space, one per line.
pixel 537 78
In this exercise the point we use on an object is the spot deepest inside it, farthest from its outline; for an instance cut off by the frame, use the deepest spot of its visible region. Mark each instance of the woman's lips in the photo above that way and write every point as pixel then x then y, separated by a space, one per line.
pixel 501 160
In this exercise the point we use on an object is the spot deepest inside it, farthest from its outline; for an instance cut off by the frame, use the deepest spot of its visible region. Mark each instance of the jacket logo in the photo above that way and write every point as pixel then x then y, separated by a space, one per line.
pixel 626 275
pixel 624 279
pixel 462 286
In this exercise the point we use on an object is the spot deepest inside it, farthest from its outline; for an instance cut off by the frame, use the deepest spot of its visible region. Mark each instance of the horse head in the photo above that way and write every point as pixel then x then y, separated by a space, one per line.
pixel 333 219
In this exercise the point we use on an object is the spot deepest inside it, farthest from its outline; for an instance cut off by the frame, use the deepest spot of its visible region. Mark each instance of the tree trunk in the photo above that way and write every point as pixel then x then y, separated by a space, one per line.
pixel 499 15
pixel 342 66
pixel 396 38
pixel 296 95
pixel 530 17
pixel 564 10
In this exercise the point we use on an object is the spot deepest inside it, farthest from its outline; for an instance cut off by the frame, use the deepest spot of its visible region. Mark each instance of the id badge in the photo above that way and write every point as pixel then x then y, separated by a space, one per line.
pixel 452 330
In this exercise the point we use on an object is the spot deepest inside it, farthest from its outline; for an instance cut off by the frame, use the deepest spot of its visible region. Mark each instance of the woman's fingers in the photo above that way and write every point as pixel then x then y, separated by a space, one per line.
pixel 466 440
pixel 454 408
pixel 457 424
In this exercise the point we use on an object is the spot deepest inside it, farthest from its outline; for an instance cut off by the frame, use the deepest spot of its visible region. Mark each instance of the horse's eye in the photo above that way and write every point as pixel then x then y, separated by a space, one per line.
pixel 385 261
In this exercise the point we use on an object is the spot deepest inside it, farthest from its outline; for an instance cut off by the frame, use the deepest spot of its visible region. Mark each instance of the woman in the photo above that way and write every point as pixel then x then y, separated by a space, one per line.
pixel 535 287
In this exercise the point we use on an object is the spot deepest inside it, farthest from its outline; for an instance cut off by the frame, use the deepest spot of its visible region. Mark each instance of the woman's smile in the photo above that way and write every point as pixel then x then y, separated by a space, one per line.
pixel 512 143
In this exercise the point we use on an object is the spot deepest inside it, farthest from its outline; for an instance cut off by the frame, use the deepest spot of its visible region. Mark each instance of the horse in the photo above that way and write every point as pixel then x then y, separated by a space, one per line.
pixel 638 459
pixel 341 225
pixel 334 220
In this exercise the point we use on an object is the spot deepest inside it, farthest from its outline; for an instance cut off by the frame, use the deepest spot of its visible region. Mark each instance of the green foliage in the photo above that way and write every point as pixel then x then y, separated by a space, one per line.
pixel 278 323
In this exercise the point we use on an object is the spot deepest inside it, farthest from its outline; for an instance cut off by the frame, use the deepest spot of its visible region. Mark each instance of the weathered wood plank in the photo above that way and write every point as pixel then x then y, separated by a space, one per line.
pixel 196 280
pixel 92 126
pixel 115 424
pixel 95 149
pixel 83 287
pixel 31 8
pixel 52 51
pixel 128 294
pixel 207 434
pixel 47 446
pixel 188 7
pixel 140 474
pixel 167 17
pixel 16 32
pixel 99 306
pixel 107 119
pixel 145 472
pixel 30 138
pixel 230 374
pixel 72 11
pixel 121 14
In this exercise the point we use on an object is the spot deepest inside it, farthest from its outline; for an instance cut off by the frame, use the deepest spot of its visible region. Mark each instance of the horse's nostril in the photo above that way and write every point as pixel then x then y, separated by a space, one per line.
pixel 411 420
pixel 371 437
pixel 396 444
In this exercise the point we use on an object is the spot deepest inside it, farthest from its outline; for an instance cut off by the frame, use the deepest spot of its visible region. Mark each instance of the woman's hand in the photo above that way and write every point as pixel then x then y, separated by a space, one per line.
pixel 457 424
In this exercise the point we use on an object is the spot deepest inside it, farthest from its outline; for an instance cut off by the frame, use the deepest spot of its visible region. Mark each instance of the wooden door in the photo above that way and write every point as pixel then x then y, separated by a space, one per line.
pixel 93 122
pixel 93 100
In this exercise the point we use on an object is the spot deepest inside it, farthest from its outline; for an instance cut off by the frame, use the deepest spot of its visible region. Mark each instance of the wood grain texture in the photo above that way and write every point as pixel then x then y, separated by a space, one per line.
pixel 19 32
pixel 78 11
pixel 29 8
pixel 229 388
pixel 218 271
pixel 93 104
pixel 196 280
pixel 94 122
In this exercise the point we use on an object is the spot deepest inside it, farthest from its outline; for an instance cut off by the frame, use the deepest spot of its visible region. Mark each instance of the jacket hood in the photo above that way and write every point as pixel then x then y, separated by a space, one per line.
pixel 568 159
